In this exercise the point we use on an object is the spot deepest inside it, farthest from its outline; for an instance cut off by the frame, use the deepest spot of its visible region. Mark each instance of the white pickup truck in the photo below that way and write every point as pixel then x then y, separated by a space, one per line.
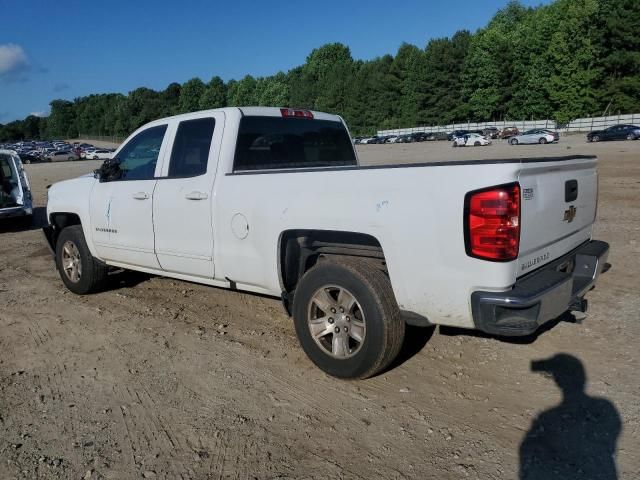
pixel 274 201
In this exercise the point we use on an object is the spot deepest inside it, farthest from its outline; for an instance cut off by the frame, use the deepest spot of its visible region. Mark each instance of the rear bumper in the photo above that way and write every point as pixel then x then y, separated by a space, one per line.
pixel 542 295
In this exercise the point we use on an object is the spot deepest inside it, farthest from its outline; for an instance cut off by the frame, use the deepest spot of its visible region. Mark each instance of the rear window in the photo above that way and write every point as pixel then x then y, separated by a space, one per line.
pixel 267 143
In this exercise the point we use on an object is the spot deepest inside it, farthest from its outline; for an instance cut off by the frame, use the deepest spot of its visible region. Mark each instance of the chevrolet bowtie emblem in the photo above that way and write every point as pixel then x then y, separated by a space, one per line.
pixel 570 214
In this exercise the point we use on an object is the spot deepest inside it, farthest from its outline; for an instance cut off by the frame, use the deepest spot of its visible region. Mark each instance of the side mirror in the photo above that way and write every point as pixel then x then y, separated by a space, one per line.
pixel 109 171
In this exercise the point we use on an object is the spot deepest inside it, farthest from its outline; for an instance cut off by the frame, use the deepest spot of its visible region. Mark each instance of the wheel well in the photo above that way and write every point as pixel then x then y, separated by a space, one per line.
pixel 299 250
pixel 61 220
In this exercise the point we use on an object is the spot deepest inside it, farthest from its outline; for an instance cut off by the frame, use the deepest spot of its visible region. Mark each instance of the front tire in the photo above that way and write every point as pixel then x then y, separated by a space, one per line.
pixel 595 138
pixel 476 144
pixel 79 270
pixel 513 141
pixel 347 319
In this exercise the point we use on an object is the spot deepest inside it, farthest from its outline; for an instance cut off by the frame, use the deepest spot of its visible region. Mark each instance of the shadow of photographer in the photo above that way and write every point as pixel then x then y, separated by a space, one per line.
pixel 576 439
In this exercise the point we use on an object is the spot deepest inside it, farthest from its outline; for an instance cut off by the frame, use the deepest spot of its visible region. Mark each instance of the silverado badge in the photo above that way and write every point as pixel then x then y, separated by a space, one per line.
pixel 570 214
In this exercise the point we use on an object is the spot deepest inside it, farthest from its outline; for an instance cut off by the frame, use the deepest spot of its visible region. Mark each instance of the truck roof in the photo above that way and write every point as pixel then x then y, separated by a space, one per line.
pixel 248 111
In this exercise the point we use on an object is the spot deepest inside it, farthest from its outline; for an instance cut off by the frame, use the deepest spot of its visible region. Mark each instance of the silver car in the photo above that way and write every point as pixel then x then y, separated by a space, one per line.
pixel 534 136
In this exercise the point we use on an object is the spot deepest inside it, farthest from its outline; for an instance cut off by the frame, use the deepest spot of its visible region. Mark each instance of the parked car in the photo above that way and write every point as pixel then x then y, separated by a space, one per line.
pixel 62 155
pixel 15 191
pixel 30 157
pixel 508 132
pixel 555 134
pixel 533 136
pixel 101 154
pixel 406 138
pixel 617 132
pixel 431 137
pixel 490 132
pixel 471 140
pixel 504 248
pixel 456 134
pixel 87 152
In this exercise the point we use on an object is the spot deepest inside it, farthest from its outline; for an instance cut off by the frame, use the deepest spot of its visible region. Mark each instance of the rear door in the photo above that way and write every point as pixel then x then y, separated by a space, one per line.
pixel 558 209
pixel 183 198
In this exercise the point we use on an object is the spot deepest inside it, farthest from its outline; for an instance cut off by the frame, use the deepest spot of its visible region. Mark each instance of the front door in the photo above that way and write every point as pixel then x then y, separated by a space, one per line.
pixel 121 209
pixel 183 198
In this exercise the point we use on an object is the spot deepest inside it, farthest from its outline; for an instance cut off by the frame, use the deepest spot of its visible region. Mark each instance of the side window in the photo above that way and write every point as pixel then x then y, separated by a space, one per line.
pixel 138 158
pixel 190 153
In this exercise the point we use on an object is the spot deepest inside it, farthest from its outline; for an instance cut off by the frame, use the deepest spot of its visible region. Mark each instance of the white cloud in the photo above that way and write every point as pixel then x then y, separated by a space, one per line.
pixel 13 60
pixel 39 114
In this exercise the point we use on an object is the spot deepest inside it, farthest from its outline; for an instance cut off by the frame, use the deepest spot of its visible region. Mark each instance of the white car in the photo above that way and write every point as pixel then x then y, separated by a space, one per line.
pixel 533 136
pixel 87 153
pixel 471 140
pixel 15 191
pixel 262 200
pixel 100 154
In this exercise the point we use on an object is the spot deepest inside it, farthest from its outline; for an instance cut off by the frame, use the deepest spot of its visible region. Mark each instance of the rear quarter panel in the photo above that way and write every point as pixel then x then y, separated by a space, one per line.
pixel 416 213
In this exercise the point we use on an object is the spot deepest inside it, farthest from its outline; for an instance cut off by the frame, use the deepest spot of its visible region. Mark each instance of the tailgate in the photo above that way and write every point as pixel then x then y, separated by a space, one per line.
pixel 558 208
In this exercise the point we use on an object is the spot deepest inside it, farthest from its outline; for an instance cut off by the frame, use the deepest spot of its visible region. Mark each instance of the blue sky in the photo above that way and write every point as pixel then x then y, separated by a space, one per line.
pixel 69 48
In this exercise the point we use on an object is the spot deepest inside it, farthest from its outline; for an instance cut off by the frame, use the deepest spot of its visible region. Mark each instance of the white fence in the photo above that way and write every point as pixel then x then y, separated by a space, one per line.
pixel 577 125
pixel 598 123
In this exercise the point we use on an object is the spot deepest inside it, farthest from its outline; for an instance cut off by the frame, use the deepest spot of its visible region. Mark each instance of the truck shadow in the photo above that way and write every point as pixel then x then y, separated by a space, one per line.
pixel 415 339
pixel 525 340
pixel 25 224
pixel 576 439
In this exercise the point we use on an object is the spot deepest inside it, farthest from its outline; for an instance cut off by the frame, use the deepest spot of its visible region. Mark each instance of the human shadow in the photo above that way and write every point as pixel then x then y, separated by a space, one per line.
pixel 576 439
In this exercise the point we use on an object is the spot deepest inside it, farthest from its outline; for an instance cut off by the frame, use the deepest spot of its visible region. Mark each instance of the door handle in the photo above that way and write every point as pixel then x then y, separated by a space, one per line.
pixel 140 195
pixel 196 196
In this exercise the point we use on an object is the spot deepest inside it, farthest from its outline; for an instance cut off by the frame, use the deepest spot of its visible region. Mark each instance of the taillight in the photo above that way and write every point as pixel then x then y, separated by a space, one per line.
pixel 492 223
pixel 291 112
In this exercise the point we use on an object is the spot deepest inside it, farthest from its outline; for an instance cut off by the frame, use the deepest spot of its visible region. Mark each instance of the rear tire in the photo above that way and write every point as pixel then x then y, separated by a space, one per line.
pixel 476 144
pixel 542 141
pixel 79 270
pixel 513 141
pixel 373 318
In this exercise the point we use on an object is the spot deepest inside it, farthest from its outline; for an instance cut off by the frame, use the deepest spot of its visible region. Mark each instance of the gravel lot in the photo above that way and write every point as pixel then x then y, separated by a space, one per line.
pixel 158 378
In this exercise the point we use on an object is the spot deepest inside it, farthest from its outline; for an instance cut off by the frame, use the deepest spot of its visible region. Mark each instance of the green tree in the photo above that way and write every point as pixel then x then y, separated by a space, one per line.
pixel 242 93
pixel 572 53
pixel 190 94
pixel 618 39
pixel 170 99
pixel 215 94
pixel 444 59
pixel 61 121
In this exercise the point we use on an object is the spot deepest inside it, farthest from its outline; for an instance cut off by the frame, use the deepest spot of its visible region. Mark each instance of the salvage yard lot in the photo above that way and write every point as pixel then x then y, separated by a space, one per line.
pixel 158 378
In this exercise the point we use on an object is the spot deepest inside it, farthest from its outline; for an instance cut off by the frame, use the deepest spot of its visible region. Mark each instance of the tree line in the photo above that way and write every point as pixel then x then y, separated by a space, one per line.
pixel 564 60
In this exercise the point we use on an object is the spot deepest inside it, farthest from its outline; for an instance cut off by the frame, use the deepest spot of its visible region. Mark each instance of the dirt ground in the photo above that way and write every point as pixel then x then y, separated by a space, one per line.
pixel 158 378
